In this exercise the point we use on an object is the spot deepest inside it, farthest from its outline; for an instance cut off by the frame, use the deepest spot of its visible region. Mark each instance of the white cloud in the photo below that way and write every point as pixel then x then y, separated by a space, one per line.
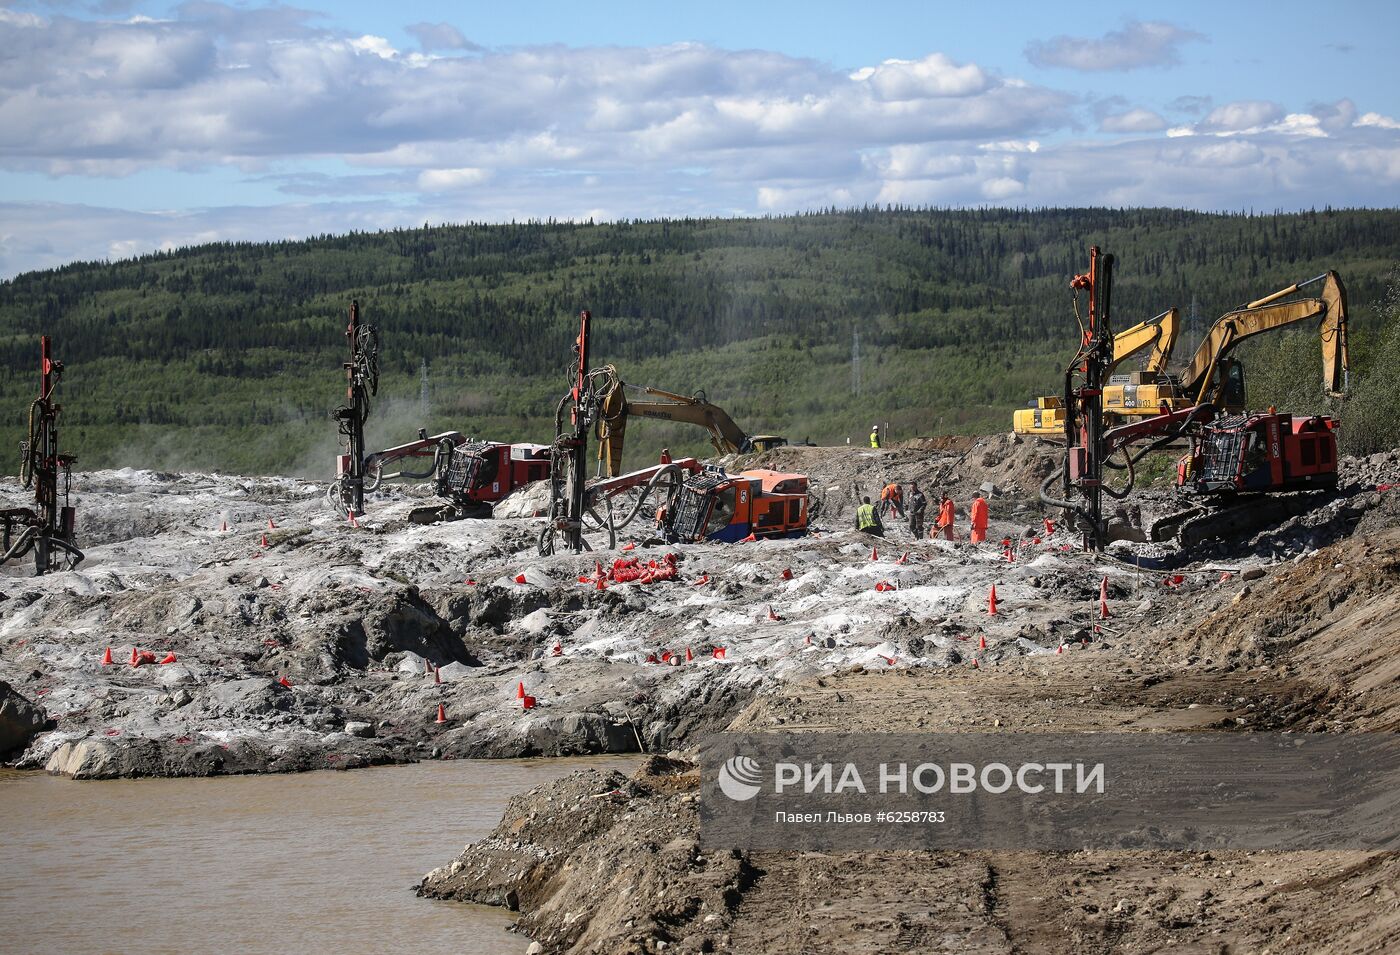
pixel 1378 121
pixel 1242 115
pixel 934 75
pixel 1132 121
pixel 1137 45
pixel 1002 188
pixel 448 180
pixel 377 45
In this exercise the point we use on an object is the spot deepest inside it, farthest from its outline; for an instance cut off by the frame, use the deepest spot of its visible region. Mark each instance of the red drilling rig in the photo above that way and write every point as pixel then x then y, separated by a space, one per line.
pixel 1241 469
pixel 48 528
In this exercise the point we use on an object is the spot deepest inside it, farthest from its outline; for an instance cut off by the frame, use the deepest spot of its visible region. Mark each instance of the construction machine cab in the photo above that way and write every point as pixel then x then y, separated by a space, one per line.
pixel 483 472
pixel 1229 385
pixel 716 506
pixel 1262 452
pixel 764 442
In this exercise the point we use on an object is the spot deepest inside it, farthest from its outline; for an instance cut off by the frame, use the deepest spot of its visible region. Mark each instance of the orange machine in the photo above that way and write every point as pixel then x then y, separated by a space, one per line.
pixel 716 506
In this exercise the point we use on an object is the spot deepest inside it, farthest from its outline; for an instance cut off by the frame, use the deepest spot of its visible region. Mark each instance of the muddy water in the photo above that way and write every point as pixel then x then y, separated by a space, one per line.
pixel 316 862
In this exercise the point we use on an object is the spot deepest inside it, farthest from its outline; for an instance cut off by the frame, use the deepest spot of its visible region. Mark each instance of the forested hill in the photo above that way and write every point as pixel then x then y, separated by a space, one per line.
pixel 228 355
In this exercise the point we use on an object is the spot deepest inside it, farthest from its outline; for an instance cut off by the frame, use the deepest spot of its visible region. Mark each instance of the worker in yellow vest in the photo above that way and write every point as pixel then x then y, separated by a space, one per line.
pixel 867 520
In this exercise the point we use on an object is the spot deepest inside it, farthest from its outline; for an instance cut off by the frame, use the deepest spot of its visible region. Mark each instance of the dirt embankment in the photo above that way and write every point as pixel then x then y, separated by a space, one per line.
pixel 1305 645
pixel 604 864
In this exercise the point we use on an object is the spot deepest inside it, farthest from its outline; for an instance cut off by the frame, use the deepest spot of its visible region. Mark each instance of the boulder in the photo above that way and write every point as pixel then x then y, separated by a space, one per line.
pixel 20 721
pixel 84 759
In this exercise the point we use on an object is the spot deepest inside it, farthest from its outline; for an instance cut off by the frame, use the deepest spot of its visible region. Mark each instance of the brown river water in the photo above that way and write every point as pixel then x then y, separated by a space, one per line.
pixel 309 863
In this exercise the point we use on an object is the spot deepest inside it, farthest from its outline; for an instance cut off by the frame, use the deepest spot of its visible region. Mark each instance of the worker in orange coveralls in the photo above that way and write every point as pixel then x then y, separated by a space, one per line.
pixel 946 519
pixel 979 518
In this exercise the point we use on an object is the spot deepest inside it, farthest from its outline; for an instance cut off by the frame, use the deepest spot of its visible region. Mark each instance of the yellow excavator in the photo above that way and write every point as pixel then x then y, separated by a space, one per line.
pixel 1045 417
pixel 1212 376
pixel 620 401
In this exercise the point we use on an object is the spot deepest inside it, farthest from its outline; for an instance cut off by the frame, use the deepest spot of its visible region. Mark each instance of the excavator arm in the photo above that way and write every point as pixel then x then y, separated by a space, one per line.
pixel 618 405
pixel 1158 333
pixel 1201 380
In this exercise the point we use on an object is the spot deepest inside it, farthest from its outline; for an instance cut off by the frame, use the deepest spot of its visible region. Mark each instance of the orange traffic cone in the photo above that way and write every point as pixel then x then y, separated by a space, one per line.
pixel 704 579
pixel 134 656
pixel 1049 527
pixel 264 539
pixel 903 558
pixel 787 573
pixel 1103 599
pixel 270 525
pixel 688 655
pixel 601 585
pixel 974 663
pixel 752 538
pixel 771 614
pixel 874 553
pixel 223 527
pixel 350 516
pixel 437 674
pixel 982 642
pixel 285 682
pixel 107 658
pixel 630 545
pixel 520 690
pixel 169 658
pixel 992 601
pixel 1060 648
pixel 442 714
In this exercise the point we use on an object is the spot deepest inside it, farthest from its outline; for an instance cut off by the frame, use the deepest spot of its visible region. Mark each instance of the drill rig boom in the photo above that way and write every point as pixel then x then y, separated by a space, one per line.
pixel 48 528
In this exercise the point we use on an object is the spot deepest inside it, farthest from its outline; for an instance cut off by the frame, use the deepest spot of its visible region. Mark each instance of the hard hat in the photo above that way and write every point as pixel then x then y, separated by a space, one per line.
pixel 874 427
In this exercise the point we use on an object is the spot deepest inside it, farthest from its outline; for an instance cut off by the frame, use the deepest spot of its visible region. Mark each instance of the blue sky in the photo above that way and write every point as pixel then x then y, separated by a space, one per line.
pixel 126 127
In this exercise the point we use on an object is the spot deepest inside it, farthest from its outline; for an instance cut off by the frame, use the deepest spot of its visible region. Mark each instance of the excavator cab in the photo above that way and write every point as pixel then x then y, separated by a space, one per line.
pixel 1229 385
pixel 764 442
pixel 1044 417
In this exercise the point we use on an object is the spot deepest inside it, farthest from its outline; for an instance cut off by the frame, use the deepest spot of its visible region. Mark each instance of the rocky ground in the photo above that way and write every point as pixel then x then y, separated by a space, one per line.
pixel 317 649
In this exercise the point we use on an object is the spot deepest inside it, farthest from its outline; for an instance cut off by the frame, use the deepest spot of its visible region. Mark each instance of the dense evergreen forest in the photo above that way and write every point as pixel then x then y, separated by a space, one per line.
pixel 227 356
